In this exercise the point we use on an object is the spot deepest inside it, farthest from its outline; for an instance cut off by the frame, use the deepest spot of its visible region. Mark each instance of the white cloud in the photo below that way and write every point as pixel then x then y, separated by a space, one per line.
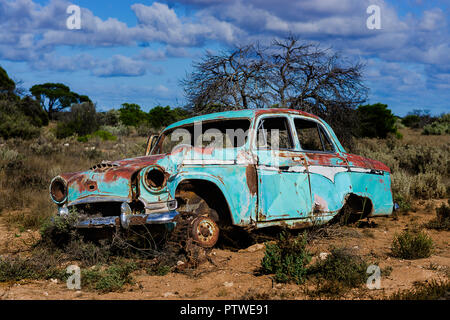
pixel 120 65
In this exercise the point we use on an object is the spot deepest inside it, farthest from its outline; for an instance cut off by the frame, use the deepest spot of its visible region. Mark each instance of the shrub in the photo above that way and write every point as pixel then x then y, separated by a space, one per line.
pixel 102 134
pixel 118 130
pixel 418 119
pixel 286 258
pixel 442 220
pixel 110 279
pixel 17 125
pixel 376 121
pixel 428 186
pixel 33 268
pixel 20 117
pixel 144 130
pixel 439 127
pixel 341 268
pixel 109 118
pixel 158 270
pixel 81 120
pixel 411 121
pixel 132 115
pixel 59 230
pixel 412 244
pixel 432 290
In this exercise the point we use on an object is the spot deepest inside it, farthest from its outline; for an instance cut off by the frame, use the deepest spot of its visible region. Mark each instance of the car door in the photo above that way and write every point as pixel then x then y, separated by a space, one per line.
pixel 327 168
pixel 283 186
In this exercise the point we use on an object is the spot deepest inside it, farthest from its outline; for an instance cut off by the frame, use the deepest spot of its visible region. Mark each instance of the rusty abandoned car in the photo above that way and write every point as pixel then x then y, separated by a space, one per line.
pixel 245 168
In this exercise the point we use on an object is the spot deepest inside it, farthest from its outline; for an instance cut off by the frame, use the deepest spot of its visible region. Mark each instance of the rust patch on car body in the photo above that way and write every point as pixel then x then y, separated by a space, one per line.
pixel 252 178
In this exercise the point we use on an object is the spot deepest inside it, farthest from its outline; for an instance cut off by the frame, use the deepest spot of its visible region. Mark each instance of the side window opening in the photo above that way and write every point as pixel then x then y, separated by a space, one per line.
pixel 312 136
pixel 273 133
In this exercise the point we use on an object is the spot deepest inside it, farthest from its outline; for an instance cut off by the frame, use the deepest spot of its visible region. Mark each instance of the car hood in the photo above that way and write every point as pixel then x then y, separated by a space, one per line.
pixel 106 181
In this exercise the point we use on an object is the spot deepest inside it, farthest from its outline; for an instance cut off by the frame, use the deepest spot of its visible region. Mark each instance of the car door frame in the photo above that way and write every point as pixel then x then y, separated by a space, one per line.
pixel 294 152
pixel 327 193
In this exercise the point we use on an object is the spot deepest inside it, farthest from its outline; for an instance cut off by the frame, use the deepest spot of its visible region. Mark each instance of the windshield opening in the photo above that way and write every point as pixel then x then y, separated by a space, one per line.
pixel 218 134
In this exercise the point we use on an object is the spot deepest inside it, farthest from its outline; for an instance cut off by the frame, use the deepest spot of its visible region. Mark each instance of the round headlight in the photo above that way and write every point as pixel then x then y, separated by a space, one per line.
pixel 58 190
pixel 155 178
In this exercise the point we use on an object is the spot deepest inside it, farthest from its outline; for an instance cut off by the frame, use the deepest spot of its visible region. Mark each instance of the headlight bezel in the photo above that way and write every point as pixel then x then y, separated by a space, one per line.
pixel 58 182
pixel 157 182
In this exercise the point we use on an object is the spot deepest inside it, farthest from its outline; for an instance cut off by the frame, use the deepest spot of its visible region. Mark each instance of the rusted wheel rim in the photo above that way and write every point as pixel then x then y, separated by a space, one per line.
pixel 205 232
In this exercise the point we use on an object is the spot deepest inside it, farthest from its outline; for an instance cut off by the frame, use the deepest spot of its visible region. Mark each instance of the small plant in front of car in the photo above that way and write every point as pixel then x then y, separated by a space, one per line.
pixel 287 258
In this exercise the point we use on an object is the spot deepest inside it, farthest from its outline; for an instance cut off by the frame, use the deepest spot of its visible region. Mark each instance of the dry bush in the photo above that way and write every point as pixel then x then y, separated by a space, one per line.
pixel 433 290
pixel 420 167
pixel 340 271
pixel 27 167
pixel 412 244
pixel 442 220
pixel 286 258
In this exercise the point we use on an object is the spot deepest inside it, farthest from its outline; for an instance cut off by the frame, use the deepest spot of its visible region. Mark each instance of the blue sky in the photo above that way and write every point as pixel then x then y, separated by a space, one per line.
pixel 137 51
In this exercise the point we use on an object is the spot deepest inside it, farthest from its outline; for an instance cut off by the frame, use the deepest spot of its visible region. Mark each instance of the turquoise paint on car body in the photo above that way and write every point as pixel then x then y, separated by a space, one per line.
pixel 262 187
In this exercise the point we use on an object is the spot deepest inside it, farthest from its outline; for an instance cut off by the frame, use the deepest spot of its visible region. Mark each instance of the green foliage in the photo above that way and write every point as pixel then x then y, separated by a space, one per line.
pixel 287 258
pixel 411 121
pixel 418 119
pixel 81 120
pixel 109 118
pixel 102 134
pixel 59 230
pixel 160 117
pixel 442 220
pixel 439 127
pixel 432 290
pixel 341 268
pixel 412 244
pixel 156 118
pixel 131 114
pixel 55 97
pixel 21 118
pixel 118 130
pixel 110 279
pixel 7 85
pixel 376 120
pixel 32 268
pixel 17 125
pixel 158 270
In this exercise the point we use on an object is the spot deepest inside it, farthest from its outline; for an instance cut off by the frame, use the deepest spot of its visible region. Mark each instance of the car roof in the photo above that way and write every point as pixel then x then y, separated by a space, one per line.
pixel 244 113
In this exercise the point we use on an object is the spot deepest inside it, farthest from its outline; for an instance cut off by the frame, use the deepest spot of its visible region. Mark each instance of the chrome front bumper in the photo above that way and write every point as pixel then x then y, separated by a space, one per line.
pixel 129 220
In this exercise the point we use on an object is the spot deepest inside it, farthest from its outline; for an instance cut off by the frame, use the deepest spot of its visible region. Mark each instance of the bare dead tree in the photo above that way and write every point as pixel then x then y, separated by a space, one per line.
pixel 288 73
pixel 227 81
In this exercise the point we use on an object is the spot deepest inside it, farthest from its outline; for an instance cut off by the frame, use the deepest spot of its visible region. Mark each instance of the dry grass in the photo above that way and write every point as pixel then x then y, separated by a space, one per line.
pixel 420 164
pixel 27 167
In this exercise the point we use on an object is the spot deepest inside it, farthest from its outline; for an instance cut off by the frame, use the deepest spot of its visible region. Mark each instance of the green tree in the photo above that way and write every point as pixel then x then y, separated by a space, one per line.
pixel 132 115
pixel 55 97
pixel 7 85
pixel 163 116
pixel 376 120
pixel 81 120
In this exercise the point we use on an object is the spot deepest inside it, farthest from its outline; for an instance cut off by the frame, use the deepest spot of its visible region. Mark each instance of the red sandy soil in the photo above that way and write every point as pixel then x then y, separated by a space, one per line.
pixel 232 276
